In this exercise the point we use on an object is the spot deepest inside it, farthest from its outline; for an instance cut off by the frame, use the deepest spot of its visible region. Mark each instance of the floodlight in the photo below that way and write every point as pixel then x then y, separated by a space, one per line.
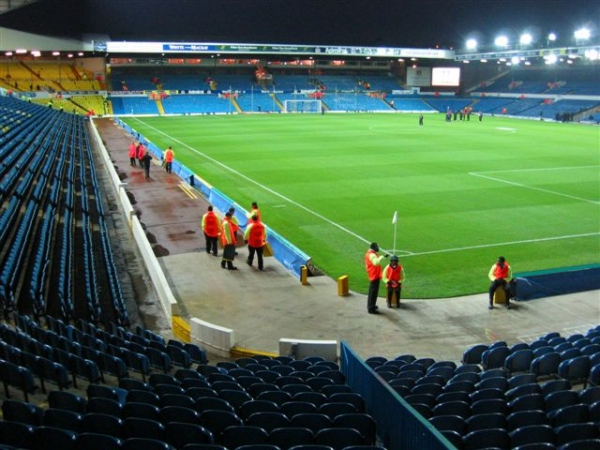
pixel 525 39
pixel 515 60
pixel 471 44
pixel 552 37
pixel 501 41
pixel 55 53
pixel 36 53
pixel 582 34
pixel 550 59
pixel 20 51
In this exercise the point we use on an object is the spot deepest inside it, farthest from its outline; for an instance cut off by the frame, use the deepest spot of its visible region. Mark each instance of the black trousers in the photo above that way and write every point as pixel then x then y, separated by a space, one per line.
pixel 372 295
pixel 390 293
pixel 211 244
pixel 259 256
pixel 168 167
pixel 228 256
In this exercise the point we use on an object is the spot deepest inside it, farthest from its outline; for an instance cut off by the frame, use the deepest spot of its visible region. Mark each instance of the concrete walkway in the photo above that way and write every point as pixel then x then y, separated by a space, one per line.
pixel 264 306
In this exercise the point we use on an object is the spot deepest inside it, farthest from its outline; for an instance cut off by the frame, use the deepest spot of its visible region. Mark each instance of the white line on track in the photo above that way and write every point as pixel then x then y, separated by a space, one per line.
pixel 405 253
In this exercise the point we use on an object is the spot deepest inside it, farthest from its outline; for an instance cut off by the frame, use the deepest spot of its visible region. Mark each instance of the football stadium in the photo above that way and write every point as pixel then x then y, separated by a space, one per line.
pixel 225 230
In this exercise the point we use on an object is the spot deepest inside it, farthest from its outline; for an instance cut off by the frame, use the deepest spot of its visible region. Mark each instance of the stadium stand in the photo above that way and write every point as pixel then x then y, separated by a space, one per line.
pixel 57 264
pixel 59 171
pixel 102 354
pixel 496 399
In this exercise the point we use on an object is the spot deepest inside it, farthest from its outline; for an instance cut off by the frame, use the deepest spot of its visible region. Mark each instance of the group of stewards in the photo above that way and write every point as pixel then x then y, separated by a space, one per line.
pixel 500 276
pixel 392 275
pixel 138 152
pixel 226 230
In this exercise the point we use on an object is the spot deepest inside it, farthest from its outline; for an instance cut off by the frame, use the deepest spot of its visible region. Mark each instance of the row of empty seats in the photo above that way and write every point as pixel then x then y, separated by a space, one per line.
pixel 507 397
pixel 54 211
pixel 272 401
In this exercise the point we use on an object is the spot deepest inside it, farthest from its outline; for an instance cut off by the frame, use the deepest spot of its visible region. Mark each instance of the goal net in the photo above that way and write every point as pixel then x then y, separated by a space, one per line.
pixel 302 106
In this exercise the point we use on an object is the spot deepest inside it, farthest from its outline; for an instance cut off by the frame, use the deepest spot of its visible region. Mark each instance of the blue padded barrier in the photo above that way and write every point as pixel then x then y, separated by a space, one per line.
pixel 398 425
pixel 532 285
pixel 285 252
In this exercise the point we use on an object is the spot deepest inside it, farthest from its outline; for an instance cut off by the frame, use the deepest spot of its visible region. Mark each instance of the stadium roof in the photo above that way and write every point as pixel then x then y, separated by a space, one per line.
pixel 8 5
pixel 379 23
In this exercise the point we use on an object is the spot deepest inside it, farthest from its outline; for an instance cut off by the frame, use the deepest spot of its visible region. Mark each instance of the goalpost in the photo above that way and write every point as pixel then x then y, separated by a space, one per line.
pixel 302 106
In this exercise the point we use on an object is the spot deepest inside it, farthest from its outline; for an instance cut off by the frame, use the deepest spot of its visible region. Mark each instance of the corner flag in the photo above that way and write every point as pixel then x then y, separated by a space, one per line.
pixel 395 218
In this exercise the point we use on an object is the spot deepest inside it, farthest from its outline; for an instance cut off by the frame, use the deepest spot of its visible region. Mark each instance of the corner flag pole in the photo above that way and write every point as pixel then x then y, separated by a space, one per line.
pixel 395 223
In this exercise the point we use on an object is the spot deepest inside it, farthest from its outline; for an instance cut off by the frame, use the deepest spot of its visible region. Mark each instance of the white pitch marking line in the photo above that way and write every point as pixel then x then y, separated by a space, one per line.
pixel 503 244
pixel 405 252
pixel 262 186
pixel 540 169
pixel 547 191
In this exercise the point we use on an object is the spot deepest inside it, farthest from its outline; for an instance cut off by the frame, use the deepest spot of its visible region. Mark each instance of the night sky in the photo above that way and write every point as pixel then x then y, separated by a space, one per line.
pixel 394 23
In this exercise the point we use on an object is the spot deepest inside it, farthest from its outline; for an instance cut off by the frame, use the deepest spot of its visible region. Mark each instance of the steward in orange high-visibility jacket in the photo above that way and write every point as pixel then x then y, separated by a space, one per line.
pixel 254 211
pixel 133 153
pixel 234 222
pixel 500 274
pixel 393 277
pixel 169 156
pixel 212 228
pixel 228 240
pixel 141 152
pixel 373 266
pixel 256 237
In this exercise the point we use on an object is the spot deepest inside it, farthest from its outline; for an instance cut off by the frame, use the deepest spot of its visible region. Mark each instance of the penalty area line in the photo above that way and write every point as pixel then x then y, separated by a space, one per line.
pixel 498 244
pixel 533 188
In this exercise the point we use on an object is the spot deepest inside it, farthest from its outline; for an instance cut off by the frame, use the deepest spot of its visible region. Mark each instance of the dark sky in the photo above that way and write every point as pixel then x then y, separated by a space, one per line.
pixel 398 23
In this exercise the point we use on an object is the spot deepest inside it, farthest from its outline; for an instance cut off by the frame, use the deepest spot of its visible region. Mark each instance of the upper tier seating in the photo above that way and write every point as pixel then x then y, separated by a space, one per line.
pixel 55 212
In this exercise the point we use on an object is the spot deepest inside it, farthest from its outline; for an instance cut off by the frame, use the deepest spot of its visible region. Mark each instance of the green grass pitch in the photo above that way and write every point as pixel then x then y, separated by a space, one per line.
pixel 465 192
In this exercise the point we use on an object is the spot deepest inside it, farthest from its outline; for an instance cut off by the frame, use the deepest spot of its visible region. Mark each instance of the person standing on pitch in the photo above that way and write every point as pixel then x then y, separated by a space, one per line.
pixel 168 158
pixel 393 277
pixel 255 236
pixel 228 241
pixel 211 228
pixel 374 272
pixel 421 120
pixel 500 275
